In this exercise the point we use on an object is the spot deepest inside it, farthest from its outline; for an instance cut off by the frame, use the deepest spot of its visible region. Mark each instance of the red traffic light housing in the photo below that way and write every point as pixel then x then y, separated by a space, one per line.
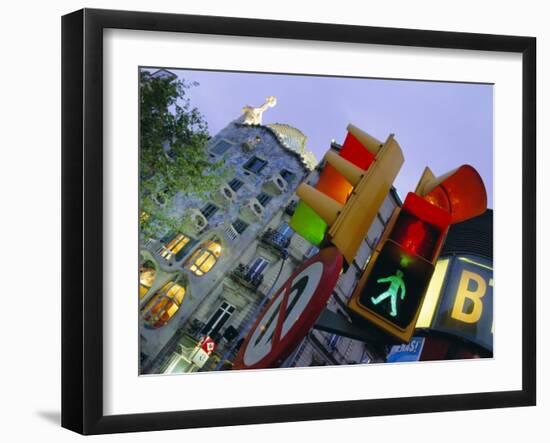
pixel 460 192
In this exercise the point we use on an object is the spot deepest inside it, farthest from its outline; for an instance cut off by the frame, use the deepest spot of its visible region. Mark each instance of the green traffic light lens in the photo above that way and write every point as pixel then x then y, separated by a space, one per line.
pixel 308 224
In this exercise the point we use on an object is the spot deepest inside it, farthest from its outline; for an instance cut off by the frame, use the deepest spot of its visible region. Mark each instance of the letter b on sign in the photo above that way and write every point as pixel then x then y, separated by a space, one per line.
pixel 471 289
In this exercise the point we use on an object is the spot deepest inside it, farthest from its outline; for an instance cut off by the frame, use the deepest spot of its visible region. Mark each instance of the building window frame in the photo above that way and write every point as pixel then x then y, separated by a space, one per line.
pixel 258 266
pixel 255 160
pixel 264 198
pixel 239 226
pixel 209 210
pixel 162 303
pixel 235 184
pixel 228 145
pixel 204 258
pixel 287 175
pixel 175 245
pixel 219 318
pixel 147 276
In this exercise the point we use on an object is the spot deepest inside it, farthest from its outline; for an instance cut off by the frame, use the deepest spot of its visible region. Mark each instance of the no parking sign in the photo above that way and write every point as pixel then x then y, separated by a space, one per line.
pixel 292 312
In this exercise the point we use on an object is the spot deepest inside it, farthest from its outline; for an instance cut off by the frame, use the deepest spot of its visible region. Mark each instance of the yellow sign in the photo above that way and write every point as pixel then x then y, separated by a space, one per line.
pixel 460 300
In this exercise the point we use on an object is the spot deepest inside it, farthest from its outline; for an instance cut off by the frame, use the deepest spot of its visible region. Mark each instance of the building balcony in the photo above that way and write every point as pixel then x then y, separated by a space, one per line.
pixel 276 184
pixel 277 242
pixel 252 210
pixel 242 275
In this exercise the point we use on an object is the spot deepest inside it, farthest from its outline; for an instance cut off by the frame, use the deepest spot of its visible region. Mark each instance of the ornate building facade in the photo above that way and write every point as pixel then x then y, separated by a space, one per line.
pixel 209 279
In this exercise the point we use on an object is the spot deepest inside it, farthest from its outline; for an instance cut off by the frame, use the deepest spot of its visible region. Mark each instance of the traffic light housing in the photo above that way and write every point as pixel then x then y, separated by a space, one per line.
pixel 352 186
pixel 391 290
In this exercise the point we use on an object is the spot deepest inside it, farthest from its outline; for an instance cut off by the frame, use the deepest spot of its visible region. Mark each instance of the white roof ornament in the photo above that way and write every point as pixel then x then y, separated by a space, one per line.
pixel 253 116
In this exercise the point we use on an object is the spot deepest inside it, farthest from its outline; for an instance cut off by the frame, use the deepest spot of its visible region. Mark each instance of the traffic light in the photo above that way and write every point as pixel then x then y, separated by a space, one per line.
pixel 391 290
pixel 352 186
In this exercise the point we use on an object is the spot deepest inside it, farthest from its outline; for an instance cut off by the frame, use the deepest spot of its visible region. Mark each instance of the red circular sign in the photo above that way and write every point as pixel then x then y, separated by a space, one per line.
pixel 291 312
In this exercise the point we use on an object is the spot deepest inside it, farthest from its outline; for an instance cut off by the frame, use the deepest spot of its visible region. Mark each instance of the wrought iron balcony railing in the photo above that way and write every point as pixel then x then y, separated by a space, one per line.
pixel 277 241
pixel 243 275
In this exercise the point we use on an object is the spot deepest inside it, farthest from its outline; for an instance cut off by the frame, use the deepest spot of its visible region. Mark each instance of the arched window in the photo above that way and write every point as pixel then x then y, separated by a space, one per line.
pixel 163 305
pixel 174 246
pixel 204 258
pixel 147 275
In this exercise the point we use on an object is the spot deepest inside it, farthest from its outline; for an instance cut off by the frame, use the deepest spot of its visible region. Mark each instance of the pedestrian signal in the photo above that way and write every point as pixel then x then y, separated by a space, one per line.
pixel 391 290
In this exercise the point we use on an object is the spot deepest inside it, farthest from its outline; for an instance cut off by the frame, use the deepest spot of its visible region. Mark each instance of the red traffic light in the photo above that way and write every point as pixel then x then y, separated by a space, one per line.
pixel 420 227
pixel 354 151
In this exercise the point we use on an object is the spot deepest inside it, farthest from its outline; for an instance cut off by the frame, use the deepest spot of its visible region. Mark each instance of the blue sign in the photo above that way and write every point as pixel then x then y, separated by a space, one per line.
pixel 407 352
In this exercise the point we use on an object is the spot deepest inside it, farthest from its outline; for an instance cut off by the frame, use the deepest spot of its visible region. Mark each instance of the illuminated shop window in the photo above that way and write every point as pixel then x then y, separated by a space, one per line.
pixel 174 246
pixel 147 275
pixel 163 305
pixel 204 258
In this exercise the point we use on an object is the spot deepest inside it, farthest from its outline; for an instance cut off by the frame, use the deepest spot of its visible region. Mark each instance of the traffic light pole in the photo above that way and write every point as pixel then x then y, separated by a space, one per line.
pixel 334 323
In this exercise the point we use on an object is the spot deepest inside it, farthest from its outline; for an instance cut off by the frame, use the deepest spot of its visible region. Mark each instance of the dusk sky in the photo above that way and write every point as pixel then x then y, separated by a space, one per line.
pixel 437 124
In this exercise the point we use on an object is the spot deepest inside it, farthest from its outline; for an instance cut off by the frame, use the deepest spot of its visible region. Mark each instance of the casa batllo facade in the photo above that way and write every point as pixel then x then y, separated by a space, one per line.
pixel 210 279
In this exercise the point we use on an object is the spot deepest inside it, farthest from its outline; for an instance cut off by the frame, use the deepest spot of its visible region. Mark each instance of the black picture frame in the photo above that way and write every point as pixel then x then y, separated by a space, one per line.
pixel 82 215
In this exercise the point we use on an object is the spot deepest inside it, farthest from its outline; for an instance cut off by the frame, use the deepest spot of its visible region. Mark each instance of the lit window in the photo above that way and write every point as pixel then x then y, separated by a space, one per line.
pixel 255 164
pixel 143 216
pixel 174 246
pixel 147 274
pixel 204 258
pixel 264 199
pixel 163 305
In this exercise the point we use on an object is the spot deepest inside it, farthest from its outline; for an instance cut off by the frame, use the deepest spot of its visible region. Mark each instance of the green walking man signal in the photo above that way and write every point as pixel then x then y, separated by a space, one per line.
pixel 396 284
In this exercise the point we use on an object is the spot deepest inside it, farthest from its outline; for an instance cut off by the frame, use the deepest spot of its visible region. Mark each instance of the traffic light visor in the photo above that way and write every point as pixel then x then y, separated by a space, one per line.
pixel 460 192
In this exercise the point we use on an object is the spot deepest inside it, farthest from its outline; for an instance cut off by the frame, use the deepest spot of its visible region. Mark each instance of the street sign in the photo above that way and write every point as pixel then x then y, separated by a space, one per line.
pixel 459 300
pixel 207 344
pixel 200 357
pixel 292 312
pixel 203 349
pixel 406 352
